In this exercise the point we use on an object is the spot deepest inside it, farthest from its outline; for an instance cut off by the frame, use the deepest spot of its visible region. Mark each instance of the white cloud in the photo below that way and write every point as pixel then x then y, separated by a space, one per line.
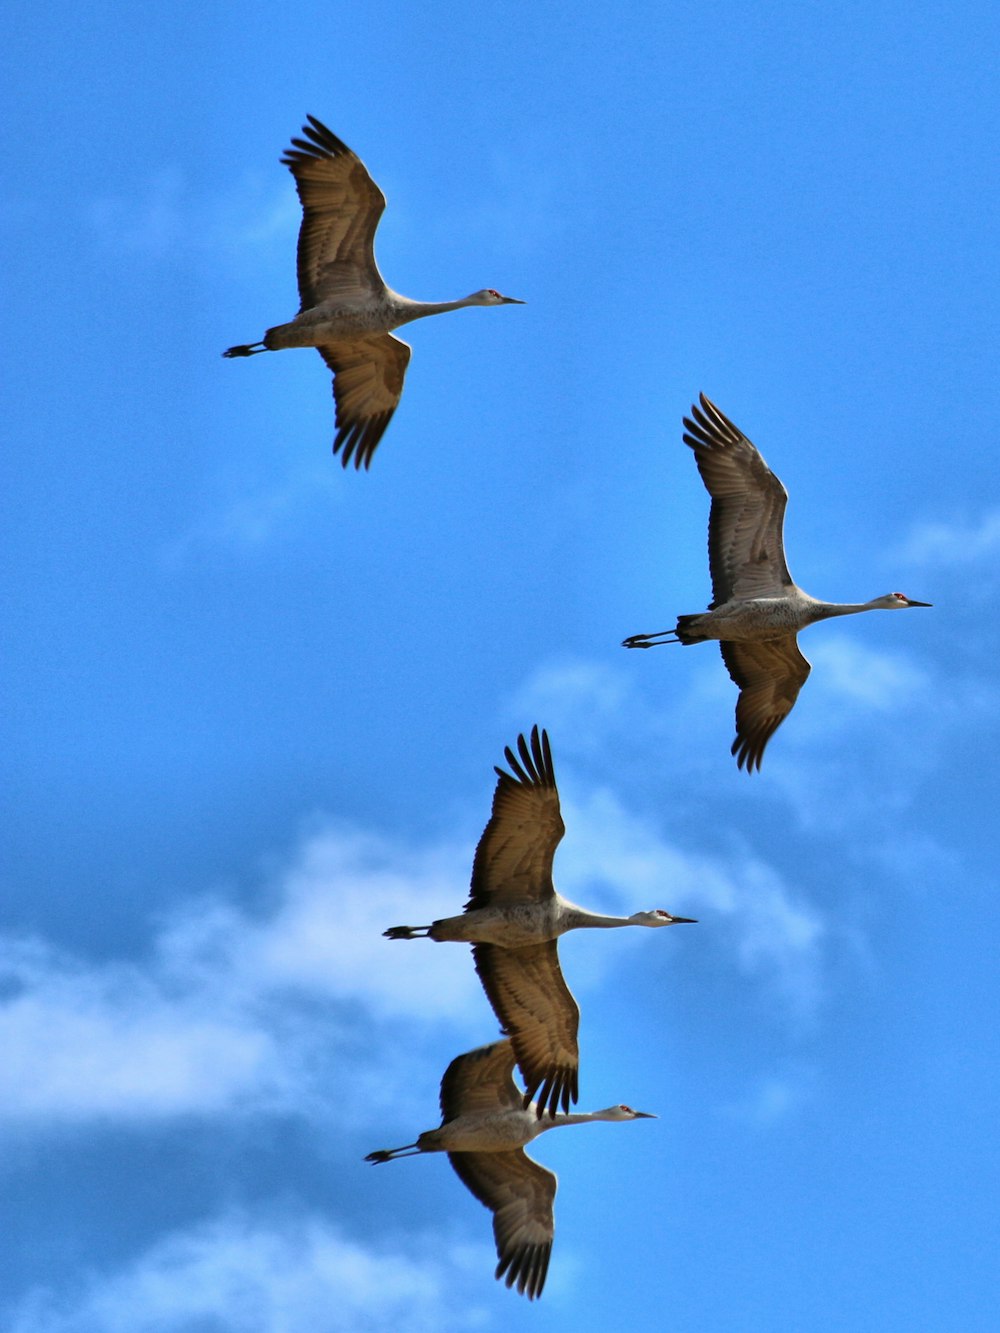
pixel 162 214
pixel 582 699
pixel 944 544
pixel 245 522
pixel 111 1041
pixel 770 1100
pixel 257 1010
pixel 233 1011
pixel 247 1275
pixel 863 676
pixel 774 931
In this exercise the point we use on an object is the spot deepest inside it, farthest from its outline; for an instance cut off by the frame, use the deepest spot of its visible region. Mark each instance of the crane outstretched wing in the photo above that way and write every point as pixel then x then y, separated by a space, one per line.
pixel 341 208
pixel 520 1194
pixel 746 553
pixel 480 1080
pixel 513 862
pixel 770 675
pixel 538 1013
pixel 368 378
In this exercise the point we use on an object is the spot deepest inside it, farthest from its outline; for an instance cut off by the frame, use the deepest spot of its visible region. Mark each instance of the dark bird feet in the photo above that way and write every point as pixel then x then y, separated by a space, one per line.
pixel 383 1155
pixel 245 349
pixel 405 932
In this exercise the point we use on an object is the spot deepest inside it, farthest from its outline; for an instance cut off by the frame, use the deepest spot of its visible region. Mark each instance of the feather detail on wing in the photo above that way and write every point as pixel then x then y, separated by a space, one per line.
pixel 538 1013
pixel 745 546
pixel 513 862
pixel 480 1080
pixel 341 208
pixel 368 378
pixel 520 1194
pixel 770 674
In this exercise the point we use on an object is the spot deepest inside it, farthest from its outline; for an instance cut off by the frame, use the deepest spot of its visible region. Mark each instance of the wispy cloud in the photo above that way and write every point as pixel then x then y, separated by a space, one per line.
pixel 162 214
pixel 247 522
pixel 257 1011
pixel 233 1011
pixel 259 1275
pixel 771 1099
pixel 864 677
pixel 954 544
pixel 774 932
pixel 113 1042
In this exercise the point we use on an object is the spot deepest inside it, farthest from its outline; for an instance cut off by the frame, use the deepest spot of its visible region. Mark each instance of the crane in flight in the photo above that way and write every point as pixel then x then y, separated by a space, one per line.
pixel 757 609
pixel 347 311
pixel 513 919
pixel 485 1126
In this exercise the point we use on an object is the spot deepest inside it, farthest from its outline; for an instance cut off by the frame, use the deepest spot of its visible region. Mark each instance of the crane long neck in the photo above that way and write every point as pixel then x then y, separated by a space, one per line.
pixel 578 918
pixel 569 1118
pixel 411 310
pixel 827 609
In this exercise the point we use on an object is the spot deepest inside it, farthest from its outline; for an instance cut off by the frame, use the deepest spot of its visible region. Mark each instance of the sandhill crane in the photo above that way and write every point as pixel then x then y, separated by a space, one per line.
pixel 757 609
pixel 347 311
pixel 484 1128
pixel 513 919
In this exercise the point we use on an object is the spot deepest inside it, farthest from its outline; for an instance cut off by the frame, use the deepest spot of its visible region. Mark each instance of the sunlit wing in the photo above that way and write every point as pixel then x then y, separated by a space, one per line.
pixel 513 862
pixel 368 376
pixel 480 1080
pixel 520 1194
pixel 538 1013
pixel 745 547
pixel 341 208
pixel 770 675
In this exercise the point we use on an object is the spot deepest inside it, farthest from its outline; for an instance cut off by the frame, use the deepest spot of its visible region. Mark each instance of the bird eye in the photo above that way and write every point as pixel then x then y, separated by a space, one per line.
pixel 900 596
pixel 623 1107
pixel 491 292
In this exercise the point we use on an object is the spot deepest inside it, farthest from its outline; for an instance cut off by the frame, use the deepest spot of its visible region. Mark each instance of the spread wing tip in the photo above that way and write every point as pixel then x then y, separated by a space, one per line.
pixel 534 768
pixel 319 142
pixel 526 1269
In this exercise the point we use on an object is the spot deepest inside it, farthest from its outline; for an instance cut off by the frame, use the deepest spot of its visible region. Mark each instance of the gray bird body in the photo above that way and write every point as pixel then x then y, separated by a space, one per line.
pixel 513 919
pixel 484 1130
pixel 347 312
pixel 757 608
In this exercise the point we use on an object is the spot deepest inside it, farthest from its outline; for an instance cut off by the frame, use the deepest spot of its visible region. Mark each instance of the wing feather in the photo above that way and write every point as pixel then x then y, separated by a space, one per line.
pixel 538 1013
pixel 480 1080
pixel 341 208
pixel 513 862
pixel 770 674
pixel 368 376
pixel 520 1194
pixel 745 546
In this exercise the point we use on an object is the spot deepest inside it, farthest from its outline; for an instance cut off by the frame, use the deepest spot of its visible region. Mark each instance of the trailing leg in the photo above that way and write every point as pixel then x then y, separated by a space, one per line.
pixel 245 349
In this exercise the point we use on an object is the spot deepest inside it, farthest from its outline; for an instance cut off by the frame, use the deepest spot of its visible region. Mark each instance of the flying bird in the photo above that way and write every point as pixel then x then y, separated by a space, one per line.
pixel 485 1126
pixel 347 311
pixel 757 610
pixel 513 919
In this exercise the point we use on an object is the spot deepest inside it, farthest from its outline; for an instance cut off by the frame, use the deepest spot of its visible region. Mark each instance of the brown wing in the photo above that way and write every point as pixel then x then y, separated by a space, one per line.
pixel 480 1080
pixel 537 1012
pixel 368 378
pixel 770 675
pixel 513 862
pixel 520 1194
pixel 745 547
pixel 341 207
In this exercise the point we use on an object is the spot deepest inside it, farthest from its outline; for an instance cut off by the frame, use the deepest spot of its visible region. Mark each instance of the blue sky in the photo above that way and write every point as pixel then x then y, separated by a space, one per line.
pixel 253 702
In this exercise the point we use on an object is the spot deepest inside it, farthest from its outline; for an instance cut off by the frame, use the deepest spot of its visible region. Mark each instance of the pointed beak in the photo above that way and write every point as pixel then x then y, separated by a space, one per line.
pixel 683 920
pixel 911 602
pixel 512 300
pixel 646 1115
